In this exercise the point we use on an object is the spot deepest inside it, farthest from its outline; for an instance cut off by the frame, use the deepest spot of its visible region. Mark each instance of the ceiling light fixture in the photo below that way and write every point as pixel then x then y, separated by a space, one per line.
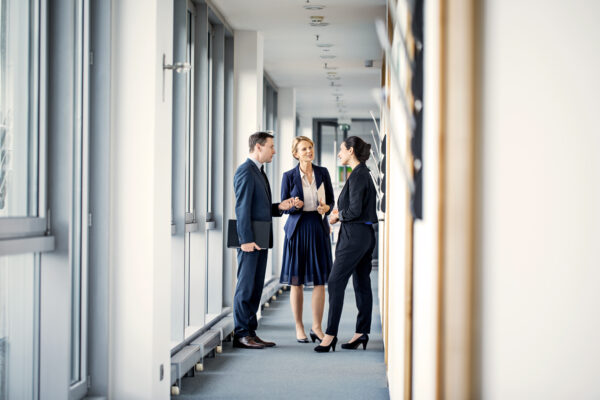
pixel 309 6
pixel 327 56
pixel 324 44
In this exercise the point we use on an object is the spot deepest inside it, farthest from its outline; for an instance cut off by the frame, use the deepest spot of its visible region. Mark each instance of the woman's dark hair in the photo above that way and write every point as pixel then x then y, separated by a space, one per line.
pixel 362 149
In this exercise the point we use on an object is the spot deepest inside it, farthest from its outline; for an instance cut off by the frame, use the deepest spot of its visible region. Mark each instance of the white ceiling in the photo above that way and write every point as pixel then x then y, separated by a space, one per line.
pixel 292 58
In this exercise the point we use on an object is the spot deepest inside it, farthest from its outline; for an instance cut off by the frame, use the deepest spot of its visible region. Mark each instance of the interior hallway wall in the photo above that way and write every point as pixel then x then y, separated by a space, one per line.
pixel 539 190
pixel 286 115
pixel 248 64
pixel 425 246
pixel 393 281
pixel 248 73
pixel 140 252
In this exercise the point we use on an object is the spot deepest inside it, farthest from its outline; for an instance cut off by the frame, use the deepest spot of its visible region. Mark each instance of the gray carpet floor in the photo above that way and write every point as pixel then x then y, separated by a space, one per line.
pixel 292 370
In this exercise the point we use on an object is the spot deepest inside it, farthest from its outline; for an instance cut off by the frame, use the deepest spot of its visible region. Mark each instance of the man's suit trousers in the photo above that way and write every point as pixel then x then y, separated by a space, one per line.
pixel 250 282
pixel 353 253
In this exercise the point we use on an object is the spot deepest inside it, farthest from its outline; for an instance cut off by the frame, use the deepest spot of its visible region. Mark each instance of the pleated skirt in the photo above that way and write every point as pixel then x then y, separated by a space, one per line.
pixel 307 256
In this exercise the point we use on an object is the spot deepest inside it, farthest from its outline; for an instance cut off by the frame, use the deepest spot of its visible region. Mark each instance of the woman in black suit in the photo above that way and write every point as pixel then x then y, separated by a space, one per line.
pixel 356 241
pixel 307 249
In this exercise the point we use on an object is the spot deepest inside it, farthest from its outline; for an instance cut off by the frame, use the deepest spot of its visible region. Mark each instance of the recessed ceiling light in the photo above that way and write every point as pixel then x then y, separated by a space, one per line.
pixel 333 78
pixel 327 56
pixel 309 6
pixel 324 44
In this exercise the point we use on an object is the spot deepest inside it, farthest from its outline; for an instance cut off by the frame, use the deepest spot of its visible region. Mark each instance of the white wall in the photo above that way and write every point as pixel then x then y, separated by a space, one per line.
pixel 540 191
pixel 305 128
pixel 396 221
pixel 286 116
pixel 425 255
pixel 248 64
pixel 426 230
pixel 140 234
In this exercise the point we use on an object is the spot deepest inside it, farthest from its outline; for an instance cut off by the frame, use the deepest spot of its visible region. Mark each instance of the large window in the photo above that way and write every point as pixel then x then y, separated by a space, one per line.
pixel 21 229
pixel 79 217
pixel 198 177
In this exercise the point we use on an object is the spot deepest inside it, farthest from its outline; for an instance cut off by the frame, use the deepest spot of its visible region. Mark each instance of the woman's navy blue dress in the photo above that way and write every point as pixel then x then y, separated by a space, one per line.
pixel 307 256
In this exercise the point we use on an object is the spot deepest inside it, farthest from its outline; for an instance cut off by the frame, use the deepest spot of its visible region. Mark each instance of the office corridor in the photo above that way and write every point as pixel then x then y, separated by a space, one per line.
pixel 293 370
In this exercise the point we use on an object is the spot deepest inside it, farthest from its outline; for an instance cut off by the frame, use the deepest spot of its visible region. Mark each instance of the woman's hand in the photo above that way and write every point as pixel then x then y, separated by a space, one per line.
pixel 286 204
pixel 322 208
pixel 334 217
pixel 298 203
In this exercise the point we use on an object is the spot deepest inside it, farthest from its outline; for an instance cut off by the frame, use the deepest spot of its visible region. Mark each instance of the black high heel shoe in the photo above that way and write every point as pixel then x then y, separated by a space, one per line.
pixel 303 340
pixel 364 339
pixel 314 336
pixel 325 349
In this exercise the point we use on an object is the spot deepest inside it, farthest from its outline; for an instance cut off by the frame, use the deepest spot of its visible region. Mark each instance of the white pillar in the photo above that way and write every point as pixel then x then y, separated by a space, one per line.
pixel 247 89
pixel 140 259
pixel 306 125
pixel 286 121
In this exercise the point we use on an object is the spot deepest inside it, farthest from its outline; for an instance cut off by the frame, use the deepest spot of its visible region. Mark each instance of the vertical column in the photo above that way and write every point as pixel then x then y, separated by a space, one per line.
pixel 306 127
pixel 215 237
pixel 141 106
pixel 99 285
pixel 286 122
pixel 228 155
pixel 248 89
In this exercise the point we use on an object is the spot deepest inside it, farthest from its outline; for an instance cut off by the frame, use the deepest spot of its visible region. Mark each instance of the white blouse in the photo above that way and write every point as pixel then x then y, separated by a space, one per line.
pixel 311 202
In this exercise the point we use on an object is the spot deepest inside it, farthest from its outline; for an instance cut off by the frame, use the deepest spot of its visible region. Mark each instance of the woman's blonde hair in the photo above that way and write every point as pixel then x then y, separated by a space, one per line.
pixel 297 141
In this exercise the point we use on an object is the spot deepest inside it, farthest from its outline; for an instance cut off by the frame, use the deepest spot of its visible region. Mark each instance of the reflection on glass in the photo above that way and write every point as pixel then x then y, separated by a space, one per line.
pixel 18 108
pixel 18 337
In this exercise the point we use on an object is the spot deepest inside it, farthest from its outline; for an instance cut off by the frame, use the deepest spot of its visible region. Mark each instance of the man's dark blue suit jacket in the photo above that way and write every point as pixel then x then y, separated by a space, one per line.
pixel 291 186
pixel 253 201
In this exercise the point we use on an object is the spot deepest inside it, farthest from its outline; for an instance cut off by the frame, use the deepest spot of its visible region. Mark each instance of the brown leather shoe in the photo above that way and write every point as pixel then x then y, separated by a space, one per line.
pixel 266 344
pixel 247 342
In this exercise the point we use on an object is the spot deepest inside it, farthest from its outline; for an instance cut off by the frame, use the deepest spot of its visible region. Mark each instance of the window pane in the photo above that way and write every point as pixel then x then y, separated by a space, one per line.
pixel 18 338
pixel 18 108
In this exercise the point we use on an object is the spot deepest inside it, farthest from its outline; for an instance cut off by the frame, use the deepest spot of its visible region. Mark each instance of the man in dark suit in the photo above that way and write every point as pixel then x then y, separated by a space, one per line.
pixel 253 203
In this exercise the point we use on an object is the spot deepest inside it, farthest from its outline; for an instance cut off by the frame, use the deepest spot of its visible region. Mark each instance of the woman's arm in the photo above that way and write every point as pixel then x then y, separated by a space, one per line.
pixel 286 189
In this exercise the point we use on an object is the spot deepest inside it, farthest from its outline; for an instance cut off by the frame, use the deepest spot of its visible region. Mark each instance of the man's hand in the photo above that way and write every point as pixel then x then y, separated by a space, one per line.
pixel 298 203
pixel 249 247
pixel 334 217
pixel 322 208
pixel 286 204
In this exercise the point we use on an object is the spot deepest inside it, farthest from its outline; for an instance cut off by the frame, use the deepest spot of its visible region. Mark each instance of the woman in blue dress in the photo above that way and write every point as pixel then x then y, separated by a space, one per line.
pixel 307 256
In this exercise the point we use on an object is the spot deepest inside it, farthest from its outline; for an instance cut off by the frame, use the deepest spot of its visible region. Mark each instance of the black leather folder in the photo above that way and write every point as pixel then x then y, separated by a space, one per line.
pixel 260 229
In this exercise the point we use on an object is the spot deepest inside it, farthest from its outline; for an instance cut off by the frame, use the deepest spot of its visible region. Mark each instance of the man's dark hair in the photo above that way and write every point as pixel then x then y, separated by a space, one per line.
pixel 258 137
